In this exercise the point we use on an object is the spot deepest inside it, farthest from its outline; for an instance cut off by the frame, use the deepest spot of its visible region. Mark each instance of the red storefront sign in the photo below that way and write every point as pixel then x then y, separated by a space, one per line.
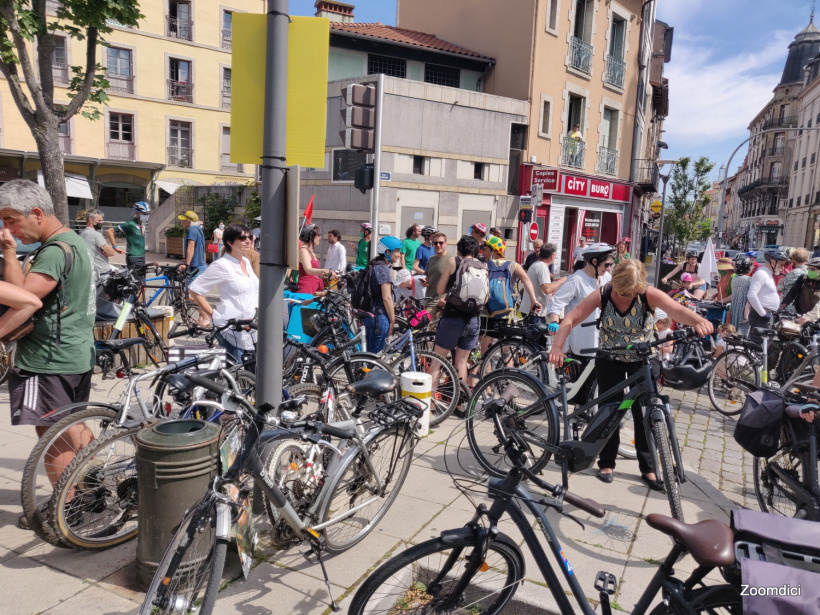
pixel 576 186
pixel 546 177
pixel 599 189
pixel 554 181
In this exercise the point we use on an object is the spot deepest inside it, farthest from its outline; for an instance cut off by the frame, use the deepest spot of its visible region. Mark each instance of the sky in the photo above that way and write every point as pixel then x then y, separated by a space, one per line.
pixel 727 57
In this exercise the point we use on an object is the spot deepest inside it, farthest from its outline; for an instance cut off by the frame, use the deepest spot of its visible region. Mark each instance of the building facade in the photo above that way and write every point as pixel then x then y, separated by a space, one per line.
pixel 167 122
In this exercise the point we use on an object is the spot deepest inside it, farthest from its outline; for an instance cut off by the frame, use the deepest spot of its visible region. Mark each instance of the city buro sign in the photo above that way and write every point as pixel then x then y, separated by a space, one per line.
pixel 555 181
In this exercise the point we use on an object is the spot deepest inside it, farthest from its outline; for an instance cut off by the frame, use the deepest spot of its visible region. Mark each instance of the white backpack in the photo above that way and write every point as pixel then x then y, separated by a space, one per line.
pixel 471 288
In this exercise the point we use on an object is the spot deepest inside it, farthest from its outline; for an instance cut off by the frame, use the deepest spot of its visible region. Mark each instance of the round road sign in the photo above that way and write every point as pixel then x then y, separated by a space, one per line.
pixel 533 231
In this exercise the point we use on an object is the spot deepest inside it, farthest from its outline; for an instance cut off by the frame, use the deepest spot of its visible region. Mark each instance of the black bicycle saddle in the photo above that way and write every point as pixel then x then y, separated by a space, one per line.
pixel 376 382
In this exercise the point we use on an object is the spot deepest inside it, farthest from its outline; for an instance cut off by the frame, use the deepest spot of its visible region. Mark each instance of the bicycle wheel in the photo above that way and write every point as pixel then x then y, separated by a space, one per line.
pixel 155 348
pixel 425 340
pixel 423 577
pixel 358 366
pixel 516 354
pixel 6 360
pixel 190 572
pixel 356 499
pixel 733 376
pixel 773 495
pixel 446 393
pixel 790 360
pixel 314 393
pixel 95 501
pixel 667 466
pixel 191 313
pixel 50 456
pixel 526 411
pixel 713 600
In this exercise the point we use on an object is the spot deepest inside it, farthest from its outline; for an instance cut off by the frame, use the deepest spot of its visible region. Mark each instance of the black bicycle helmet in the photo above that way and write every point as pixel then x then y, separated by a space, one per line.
pixel 427 231
pixel 776 255
pixel 688 376
pixel 743 264
pixel 308 234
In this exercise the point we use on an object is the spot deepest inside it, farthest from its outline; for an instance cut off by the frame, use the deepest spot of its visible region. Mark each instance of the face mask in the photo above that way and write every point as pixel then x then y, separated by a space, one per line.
pixel 813 275
pixel 718 337
pixel 221 226
pixel 98 226
pixel 143 218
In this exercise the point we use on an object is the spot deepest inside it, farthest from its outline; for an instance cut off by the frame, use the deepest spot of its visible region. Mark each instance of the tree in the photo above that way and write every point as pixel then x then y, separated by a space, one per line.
pixel 689 201
pixel 23 27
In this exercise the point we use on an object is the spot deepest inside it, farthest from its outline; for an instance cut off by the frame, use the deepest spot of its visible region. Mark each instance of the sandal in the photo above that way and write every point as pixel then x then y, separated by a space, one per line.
pixel 605 477
pixel 654 485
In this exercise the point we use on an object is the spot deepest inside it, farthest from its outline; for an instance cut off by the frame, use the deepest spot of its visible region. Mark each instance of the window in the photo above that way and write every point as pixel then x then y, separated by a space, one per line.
pixel 791 201
pixel 798 201
pixel 179 24
pixel 583 20
pixel 180 153
pixel 478 170
pixel 775 171
pixel 225 163
pixel 608 150
pixel 816 198
pixel 442 75
pixel 546 117
pixel 575 113
pixel 64 135
pixel 803 163
pixel 813 156
pixel 809 124
pixel 59 61
pixel 227 29
pixel 119 72
pixel 617 34
pixel 180 75
pixel 392 67
pixel 418 165
pixel 345 163
pixel 121 136
pixel 552 16
pixel 806 199
pixel 226 88
pixel 818 118
pixel 795 165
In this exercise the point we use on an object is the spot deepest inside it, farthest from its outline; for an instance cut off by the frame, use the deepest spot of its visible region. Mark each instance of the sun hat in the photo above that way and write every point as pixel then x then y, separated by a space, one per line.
pixel 189 215
pixel 725 264
pixel 496 243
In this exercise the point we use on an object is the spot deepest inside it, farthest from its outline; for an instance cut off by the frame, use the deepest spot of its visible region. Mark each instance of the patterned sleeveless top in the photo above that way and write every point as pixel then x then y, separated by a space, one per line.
pixel 621 329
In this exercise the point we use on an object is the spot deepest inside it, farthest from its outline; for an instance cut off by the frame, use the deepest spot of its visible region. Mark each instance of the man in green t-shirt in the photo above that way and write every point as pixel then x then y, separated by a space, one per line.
pixel 134 231
pixel 410 244
pixel 363 247
pixel 54 362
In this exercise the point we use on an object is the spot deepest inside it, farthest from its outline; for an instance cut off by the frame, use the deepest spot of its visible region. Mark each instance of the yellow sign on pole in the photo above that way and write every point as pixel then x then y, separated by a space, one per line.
pixel 308 43
pixel 656 207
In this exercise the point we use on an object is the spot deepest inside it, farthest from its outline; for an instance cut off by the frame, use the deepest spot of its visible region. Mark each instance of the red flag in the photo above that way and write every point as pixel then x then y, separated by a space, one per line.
pixel 309 209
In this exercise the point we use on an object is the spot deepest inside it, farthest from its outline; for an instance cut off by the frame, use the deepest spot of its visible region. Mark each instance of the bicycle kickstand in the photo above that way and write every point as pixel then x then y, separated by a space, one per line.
pixel 333 604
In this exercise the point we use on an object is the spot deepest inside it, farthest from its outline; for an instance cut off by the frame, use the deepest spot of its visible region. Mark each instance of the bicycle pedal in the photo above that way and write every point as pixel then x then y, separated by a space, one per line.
pixel 605 582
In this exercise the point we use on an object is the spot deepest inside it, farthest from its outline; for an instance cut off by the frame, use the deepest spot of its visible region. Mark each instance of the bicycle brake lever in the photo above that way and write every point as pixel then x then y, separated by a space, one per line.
pixel 578 521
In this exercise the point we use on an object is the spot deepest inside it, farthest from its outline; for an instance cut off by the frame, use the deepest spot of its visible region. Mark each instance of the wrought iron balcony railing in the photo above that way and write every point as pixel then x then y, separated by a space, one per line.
pixel 789 120
pixel 121 150
pixel 230 167
pixel 615 71
pixel 580 55
pixel 120 83
pixel 179 28
pixel 226 97
pixel 180 91
pixel 646 174
pixel 572 153
pixel 777 150
pixel 226 39
pixel 607 161
pixel 180 157
pixel 59 72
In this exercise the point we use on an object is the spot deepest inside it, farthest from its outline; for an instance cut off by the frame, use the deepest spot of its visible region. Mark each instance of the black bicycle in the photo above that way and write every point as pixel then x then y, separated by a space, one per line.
pixel 477 569
pixel 531 411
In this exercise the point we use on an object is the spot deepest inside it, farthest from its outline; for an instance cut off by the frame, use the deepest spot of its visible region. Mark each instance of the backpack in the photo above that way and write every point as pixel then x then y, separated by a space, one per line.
pixel 501 301
pixel 470 288
pixel 360 297
pixel 758 428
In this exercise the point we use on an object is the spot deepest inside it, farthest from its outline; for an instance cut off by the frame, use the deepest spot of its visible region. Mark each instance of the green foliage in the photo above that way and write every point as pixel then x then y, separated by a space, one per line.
pixel 175 231
pixel 216 208
pixel 97 94
pixel 253 208
pixel 688 201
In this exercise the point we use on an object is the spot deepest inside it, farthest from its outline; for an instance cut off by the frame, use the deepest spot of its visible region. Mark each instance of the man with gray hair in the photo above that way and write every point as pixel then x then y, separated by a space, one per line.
pixel 98 247
pixel 532 257
pixel 539 275
pixel 54 362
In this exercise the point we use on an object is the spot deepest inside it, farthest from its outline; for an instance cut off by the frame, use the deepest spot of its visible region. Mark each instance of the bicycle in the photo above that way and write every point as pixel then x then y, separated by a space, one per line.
pixel 190 571
pixel 477 569
pixel 530 410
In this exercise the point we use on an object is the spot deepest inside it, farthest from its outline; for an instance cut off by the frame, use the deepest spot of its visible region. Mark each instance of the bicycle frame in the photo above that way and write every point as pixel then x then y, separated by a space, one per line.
pixel 166 285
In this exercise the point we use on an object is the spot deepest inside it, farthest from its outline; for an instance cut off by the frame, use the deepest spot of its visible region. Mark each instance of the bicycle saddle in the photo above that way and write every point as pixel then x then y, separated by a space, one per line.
pixel 376 382
pixel 121 344
pixel 710 542
pixel 764 332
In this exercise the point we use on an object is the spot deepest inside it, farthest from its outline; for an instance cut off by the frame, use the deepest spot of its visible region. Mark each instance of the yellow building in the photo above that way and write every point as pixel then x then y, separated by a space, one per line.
pixel 167 123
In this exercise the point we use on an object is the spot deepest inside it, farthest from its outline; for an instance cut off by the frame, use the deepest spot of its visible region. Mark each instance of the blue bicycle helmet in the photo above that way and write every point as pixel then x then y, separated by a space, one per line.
pixel 387 245
pixel 141 207
pixel 751 254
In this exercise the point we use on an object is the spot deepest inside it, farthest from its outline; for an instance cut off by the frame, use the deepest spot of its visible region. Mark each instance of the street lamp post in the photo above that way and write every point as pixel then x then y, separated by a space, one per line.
pixel 659 253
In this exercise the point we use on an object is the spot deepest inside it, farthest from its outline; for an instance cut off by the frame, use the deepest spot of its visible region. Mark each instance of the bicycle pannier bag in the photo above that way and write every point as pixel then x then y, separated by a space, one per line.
pixel 769 588
pixel 471 287
pixel 501 301
pixel 758 429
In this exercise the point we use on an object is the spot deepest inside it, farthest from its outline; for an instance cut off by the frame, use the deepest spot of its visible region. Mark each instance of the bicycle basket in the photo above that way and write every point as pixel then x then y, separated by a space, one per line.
pixel 308 326
pixel 401 411
pixel 758 428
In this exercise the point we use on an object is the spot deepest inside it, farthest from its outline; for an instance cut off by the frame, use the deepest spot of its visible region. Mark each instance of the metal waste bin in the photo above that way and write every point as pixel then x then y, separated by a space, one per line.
pixel 175 462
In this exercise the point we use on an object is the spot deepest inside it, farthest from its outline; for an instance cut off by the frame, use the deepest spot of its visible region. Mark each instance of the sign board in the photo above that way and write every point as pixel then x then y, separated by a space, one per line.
pixel 537 194
pixel 533 231
pixel 384 176
pixel 525 202
pixel 656 207
pixel 385 229
pixel 555 231
pixel 546 178
pixel 720 253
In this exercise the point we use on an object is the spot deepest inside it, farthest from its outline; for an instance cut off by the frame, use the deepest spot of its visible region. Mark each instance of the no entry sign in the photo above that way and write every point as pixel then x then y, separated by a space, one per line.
pixel 533 231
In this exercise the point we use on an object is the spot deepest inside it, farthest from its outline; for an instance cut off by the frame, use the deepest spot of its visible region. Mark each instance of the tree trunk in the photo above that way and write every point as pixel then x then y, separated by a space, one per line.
pixel 51 160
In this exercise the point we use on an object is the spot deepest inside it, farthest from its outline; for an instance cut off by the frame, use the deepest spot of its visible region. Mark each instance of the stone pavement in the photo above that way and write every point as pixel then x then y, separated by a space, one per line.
pixel 38 578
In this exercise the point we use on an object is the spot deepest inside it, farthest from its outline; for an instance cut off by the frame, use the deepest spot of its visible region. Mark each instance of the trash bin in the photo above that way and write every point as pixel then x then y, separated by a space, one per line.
pixel 175 463
pixel 420 386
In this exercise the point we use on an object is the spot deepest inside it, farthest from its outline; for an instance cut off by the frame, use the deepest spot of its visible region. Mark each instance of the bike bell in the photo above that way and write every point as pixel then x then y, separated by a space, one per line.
pixel 288 417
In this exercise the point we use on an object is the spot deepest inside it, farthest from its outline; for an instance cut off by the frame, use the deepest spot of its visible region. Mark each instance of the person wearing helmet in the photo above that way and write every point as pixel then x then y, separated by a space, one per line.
pixel 762 297
pixel 363 247
pixel 804 294
pixel 698 286
pixel 740 292
pixel 424 251
pixel 626 305
pixel 595 273
pixel 134 231
pixel 409 246
pixel 311 275
pixel 622 252
pixel 380 326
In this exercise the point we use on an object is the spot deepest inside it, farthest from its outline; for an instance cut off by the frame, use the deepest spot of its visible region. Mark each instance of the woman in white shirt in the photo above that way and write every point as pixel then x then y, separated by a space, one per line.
pixel 762 297
pixel 233 279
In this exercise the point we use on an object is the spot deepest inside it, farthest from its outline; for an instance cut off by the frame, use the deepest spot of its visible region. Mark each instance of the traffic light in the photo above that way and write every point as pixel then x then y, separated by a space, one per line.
pixel 363 179
pixel 525 215
pixel 359 115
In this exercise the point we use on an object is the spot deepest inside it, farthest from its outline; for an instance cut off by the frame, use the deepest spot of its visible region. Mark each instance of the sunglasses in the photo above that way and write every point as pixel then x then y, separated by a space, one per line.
pixel 608 265
pixel 439 243
pixel 244 238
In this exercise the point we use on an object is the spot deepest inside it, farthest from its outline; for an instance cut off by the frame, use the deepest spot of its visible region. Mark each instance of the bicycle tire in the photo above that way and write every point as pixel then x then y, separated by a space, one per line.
pixel 359 364
pixel 408 576
pixel 540 424
pixel 101 490
pixel 287 464
pixel 732 367
pixel 191 313
pixel 391 452
pixel 314 393
pixel 36 487
pixel 773 496
pixel 6 360
pixel 155 348
pixel 706 600
pixel 446 393
pixel 199 528
pixel 669 475
pixel 513 354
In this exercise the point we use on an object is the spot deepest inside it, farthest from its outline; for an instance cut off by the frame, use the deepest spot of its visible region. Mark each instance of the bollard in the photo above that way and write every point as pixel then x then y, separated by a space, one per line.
pixel 175 463
pixel 420 386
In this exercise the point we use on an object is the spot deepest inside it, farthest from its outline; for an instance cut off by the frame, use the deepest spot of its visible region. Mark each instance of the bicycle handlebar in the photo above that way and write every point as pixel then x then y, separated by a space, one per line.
pixel 642 347
pixel 324 428
pixel 585 504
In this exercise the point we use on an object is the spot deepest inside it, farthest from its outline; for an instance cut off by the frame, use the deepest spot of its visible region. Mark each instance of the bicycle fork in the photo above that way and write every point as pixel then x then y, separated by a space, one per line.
pixel 662 413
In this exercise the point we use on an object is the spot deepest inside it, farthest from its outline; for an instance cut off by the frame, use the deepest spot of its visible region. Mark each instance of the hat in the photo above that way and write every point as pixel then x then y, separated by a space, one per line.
pixel 496 243
pixel 724 264
pixel 582 238
pixel 481 228
pixel 626 240
pixel 190 216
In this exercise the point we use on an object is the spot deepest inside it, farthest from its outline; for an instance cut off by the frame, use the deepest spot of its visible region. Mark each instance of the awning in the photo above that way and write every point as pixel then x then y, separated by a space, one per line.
pixel 75 185
pixel 169 187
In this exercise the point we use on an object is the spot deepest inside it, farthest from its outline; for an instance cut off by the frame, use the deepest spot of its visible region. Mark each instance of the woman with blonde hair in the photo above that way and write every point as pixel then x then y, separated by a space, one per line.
pixel 627 305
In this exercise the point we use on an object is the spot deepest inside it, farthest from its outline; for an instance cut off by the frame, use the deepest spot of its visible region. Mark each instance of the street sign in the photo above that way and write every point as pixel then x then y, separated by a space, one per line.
pixel 384 176
pixel 656 207
pixel 537 194
pixel 533 231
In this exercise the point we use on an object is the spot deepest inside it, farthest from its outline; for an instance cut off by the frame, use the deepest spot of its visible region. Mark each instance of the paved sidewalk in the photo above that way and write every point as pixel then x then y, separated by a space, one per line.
pixel 38 578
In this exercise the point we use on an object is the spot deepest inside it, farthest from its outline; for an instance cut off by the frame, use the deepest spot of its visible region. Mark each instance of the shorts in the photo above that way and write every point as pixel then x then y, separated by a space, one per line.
pixel 33 398
pixel 457 332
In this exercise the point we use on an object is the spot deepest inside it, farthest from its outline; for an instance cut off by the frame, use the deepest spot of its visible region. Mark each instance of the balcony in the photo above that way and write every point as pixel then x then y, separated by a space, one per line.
pixel 120 83
pixel 59 72
pixel 615 71
pixel 226 97
pixel 121 150
pixel 607 161
pixel 180 157
pixel 65 143
pixel 179 28
pixel 226 166
pixel 777 150
pixel 580 55
pixel 572 153
pixel 646 174
pixel 180 91
pixel 790 120
pixel 226 39
pixel 776 180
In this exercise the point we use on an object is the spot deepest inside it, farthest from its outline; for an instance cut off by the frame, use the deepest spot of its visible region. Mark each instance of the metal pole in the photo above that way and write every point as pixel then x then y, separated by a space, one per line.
pixel 377 168
pixel 273 258
pixel 659 252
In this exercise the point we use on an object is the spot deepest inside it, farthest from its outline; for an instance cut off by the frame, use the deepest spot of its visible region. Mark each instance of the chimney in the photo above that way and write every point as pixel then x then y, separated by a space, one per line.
pixel 334 11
